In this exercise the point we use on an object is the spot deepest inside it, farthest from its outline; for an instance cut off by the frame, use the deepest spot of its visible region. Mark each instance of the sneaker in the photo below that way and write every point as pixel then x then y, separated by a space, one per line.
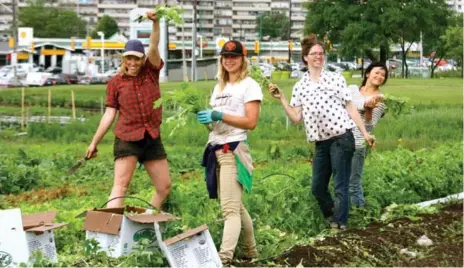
pixel 334 225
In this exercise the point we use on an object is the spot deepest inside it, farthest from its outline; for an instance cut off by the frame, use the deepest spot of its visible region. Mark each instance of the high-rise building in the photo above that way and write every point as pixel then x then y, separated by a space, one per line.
pixel 230 18
pixel 456 5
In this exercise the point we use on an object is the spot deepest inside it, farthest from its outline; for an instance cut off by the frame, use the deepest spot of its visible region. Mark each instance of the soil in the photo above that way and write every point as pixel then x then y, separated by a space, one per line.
pixel 380 244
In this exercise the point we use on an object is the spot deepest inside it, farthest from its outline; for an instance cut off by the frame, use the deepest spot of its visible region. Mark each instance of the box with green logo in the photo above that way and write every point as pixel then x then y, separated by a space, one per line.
pixel 118 230
pixel 22 235
pixel 193 248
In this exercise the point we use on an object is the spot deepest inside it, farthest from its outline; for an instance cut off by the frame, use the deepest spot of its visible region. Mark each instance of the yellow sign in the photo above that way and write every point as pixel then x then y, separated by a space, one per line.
pixel 256 46
pixel 89 42
pixel 172 46
pixel 290 45
pixel 113 45
pixel 11 42
pixel 23 56
pixel 52 52
pixel 32 45
pixel 73 44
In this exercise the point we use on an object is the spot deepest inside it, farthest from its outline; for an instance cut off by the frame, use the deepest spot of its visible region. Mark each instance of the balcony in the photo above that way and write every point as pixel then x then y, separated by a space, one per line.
pixel 114 15
pixel 117 6
pixel 243 17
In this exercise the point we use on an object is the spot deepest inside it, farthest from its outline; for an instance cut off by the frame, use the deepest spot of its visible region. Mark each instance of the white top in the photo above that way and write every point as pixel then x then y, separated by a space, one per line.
pixel 377 113
pixel 323 105
pixel 231 100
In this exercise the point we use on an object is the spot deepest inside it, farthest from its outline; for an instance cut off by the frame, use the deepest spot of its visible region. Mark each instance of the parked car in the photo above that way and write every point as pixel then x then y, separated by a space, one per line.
pixel 334 68
pixel 105 77
pixel 90 80
pixel 62 79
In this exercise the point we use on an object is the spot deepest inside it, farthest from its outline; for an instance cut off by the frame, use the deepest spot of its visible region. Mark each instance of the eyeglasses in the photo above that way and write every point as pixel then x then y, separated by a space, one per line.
pixel 316 54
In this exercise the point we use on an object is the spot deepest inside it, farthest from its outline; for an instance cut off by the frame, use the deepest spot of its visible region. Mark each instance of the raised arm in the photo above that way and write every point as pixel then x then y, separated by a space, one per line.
pixel 153 52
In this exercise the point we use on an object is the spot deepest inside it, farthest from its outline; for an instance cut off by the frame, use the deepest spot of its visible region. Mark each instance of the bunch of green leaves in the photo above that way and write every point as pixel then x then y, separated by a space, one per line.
pixel 258 75
pixel 410 211
pixel 188 100
pixel 169 13
pixel 396 105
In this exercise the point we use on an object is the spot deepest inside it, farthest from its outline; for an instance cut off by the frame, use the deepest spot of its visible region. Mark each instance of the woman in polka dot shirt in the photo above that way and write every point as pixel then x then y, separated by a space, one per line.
pixel 322 100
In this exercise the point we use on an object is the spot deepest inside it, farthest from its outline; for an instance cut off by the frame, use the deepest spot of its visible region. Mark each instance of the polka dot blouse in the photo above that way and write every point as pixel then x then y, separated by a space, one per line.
pixel 323 105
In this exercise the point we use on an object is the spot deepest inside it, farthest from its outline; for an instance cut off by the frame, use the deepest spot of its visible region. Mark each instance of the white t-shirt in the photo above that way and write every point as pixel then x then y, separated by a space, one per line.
pixel 231 100
pixel 323 105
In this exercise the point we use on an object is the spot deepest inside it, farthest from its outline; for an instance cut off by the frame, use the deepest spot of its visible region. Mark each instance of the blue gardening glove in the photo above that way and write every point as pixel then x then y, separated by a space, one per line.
pixel 208 116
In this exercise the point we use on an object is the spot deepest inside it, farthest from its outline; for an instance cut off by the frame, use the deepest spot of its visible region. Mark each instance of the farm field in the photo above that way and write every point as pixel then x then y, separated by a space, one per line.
pixel 418 157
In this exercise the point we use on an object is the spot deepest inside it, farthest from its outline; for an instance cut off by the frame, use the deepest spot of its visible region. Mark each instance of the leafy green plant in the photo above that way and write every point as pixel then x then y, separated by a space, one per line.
pixel 395 211
pixel 170 14
pixel 189 100
pixel 257 74
pixel 396 105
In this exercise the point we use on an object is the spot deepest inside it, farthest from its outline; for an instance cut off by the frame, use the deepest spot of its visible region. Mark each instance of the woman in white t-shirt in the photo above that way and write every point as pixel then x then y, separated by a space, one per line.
pixel 235 110
pixel 322 100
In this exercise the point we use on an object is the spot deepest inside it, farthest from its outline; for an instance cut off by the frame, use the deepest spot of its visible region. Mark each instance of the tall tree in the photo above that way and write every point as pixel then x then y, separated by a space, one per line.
pixel 106 24
pixel 408 19
pixel 453 40
pixel 447 44
pixel 365 26
pixel 51 21
pixel 274 25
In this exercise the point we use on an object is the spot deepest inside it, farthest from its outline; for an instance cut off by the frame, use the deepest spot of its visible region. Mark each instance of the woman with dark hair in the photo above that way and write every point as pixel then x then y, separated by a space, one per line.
pixel 322 100
pixel 368 100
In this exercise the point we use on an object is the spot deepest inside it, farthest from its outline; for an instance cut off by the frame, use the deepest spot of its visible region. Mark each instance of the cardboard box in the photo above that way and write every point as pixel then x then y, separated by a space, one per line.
pixel 193 248
pixel 20 236
pixel 118 232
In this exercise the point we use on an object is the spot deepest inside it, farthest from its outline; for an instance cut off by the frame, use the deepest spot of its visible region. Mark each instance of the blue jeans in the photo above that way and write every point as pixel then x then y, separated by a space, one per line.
pixel 333 156
pixel 357 166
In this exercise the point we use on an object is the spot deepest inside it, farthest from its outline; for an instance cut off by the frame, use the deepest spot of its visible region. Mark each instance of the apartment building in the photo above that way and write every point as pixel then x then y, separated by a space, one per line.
pixel 230 18
pixel 457 5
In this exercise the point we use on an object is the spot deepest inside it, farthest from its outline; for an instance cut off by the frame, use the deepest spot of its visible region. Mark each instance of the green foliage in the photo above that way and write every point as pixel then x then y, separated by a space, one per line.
pixel 359 26
pixel 170 14
pixel 189 100
pixel 273 25
pixel 449 74
pixel 18 173
pixel 395 211
pixel 396 105
pixel 453 43
pixel 51 22
pixel 257 74
pixel 107 25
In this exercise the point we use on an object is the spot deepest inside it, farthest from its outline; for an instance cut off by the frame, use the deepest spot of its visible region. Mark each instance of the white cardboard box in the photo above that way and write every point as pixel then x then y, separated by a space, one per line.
pixel 118 234
pixel 20 236
pixel 193 248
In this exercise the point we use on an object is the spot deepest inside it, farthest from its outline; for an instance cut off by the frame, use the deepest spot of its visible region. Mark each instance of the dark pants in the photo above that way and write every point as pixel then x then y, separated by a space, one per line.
pixel 333 156
pixel 145 149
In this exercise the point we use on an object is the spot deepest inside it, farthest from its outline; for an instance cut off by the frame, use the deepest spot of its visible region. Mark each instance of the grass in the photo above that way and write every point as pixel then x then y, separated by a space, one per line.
pixel 284 212
pixel 420 91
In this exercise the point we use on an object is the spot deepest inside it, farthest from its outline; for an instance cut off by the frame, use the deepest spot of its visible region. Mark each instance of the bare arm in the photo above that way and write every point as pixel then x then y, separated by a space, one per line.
pixel 354 114
pixel 294 113
pixel 153 53
pixel 105 124
pixel 250 119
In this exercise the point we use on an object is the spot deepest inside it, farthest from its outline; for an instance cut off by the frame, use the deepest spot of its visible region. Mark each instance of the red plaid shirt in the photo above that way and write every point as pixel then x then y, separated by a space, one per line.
pixel 133 96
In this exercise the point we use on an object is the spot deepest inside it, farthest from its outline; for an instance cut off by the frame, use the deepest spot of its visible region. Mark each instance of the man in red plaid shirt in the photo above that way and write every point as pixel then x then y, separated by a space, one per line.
pixel 133 92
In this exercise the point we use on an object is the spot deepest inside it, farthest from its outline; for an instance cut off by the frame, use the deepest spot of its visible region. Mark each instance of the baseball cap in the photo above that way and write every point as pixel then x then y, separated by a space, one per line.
pixel 233 47
pixel 134 47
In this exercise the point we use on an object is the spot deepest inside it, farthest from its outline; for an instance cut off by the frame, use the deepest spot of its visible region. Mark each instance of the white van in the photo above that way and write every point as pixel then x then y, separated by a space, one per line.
pixel 37 78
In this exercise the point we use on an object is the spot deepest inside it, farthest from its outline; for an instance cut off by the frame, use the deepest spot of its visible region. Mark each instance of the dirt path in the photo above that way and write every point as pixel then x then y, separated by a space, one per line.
pixel 381 244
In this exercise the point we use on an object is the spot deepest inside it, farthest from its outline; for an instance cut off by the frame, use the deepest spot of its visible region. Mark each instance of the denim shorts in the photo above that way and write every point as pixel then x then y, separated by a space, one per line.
pixel 145 149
